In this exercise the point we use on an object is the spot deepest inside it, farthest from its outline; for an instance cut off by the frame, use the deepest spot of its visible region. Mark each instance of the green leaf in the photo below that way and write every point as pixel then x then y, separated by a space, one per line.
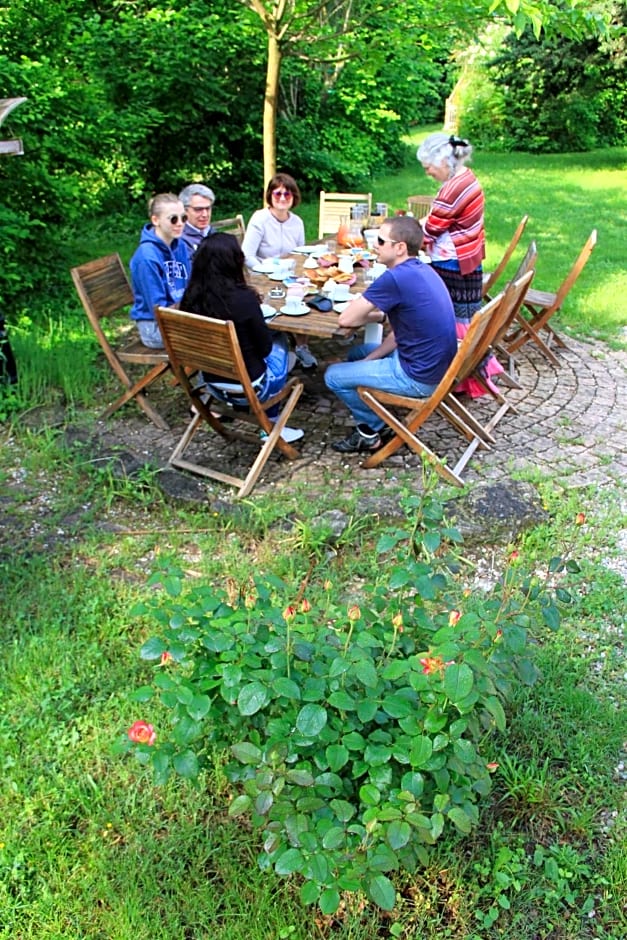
pixel 398 834
pixel 329 901
pixel 366 673
pixel 199 707
pixel 458 681
pixel 496 710
pixel 160 766
pixel 369 794
pixel 367 709
pixel 397 706
pixel 152 648
pixel 311 719
pixel 460 819
pixel 342 701
pixel 421 751
pixel 343 809
pixel 246 753
pixel 551 617
pixel 301 778
pixel 316 868
pixel 309 892
pixel 395 670
pixel 289 862
pixel 286 688
pixel 186 765
pixel 263 802
pixel 252 698
pixel 240 805
pixel 381 892
pixel 337 756
pixel 431 541
pixel 143 694
pixel 333 838
pixel 464 751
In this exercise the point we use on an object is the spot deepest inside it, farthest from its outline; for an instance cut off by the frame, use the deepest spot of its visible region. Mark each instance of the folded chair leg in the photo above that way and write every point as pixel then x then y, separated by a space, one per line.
pixel 135 392
pixel 404 435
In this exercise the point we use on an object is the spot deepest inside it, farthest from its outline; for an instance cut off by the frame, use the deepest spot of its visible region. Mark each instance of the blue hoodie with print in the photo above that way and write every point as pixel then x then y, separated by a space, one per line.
pixel 159 273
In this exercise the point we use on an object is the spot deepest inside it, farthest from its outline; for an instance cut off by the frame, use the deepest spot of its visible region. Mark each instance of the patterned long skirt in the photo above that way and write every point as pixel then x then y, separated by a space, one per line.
pixel 465 291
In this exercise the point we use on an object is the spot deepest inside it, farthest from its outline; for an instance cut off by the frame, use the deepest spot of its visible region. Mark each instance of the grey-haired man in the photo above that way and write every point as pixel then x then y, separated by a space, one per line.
pixel 198 201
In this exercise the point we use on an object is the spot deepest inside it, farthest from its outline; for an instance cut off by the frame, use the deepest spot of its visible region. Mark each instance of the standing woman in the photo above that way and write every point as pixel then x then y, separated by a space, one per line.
pixel 455 237
pixel 218 289
pixel 160 266
pixel 275 231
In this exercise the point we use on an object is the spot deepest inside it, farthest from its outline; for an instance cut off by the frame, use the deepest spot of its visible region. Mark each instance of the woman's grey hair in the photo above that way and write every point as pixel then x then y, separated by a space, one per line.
pixel 442 148
pixel 196 189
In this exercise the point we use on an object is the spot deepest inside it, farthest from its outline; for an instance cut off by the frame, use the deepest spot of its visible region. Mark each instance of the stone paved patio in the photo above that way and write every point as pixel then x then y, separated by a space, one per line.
pixel 571 422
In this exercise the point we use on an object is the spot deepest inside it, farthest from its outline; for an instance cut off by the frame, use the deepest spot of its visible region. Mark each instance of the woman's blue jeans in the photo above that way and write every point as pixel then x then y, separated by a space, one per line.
pixel 387 374
pixel 277 363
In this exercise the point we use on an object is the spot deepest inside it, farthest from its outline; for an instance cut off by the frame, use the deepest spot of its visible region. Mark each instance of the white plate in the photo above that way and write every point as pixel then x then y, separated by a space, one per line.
pixel 264 267
pixel 280 276
pixel 308 249
pixel 268 311
pixel 299 312
pixel 341 305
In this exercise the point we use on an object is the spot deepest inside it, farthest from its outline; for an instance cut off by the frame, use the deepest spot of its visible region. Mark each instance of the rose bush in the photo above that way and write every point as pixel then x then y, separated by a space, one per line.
pixel 358 733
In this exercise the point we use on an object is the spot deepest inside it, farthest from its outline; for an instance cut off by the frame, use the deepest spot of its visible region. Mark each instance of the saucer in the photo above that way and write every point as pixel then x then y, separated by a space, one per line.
pixel 298 312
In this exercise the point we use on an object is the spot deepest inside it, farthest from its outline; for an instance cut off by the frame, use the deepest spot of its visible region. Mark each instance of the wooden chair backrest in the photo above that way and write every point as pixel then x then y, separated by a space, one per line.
pixel 528 263
pixel 513 297
pixel 419 205
pixel 336 206
pixel 193 342
pixel 475 343
pixel 509 251
pixel 103 288
pixel 234 226
pixel 568 282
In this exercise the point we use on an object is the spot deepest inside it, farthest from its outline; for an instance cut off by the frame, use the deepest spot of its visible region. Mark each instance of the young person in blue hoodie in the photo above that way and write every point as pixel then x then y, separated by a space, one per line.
pixel 160 267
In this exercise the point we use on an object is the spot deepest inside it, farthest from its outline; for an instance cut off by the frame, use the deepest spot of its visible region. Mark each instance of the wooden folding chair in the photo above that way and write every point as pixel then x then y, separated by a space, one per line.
pixel 502 317
pixel 234 226
pixel 491 277
pixel 420 206
pixel 336 206
pixel 104 290
pixel 196 343
pixel 540 307
pixel 528 263
pixel 473 347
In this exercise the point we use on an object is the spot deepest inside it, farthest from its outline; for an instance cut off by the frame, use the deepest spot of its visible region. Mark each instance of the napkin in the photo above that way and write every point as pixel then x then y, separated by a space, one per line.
pixel 318 302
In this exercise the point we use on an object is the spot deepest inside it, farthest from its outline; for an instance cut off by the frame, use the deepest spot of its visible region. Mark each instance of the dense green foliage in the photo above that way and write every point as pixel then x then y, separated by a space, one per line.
pixel 128 99
pixel 360 735
pixel 548 95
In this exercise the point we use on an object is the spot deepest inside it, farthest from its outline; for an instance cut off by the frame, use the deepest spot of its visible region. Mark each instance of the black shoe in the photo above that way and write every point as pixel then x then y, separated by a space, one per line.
pixel 358 442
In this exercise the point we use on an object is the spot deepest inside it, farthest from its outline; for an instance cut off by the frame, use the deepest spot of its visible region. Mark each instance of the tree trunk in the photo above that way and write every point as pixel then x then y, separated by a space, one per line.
pixel 271 107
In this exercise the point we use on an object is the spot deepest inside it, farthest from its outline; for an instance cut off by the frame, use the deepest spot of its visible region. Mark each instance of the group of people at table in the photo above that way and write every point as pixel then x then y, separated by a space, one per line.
pixel 429 306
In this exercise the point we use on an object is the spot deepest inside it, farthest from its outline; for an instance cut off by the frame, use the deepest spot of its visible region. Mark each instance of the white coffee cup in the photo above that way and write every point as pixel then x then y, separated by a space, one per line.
pixel 345 264
pixel 293 304
pixel 341 293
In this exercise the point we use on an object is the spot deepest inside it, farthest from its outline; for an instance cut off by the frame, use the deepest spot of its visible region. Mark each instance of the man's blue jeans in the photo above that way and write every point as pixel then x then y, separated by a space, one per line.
pixel 387 374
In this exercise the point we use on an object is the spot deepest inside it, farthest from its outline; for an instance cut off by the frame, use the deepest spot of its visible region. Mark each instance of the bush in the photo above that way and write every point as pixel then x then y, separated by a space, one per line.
pixel 357 733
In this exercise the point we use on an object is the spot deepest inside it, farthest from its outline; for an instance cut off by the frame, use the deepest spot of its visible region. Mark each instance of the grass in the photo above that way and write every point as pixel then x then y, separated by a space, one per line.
pixel 91 849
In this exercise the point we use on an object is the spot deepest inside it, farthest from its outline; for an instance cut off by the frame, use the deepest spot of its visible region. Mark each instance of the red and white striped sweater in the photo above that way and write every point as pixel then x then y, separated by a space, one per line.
pixel 458 210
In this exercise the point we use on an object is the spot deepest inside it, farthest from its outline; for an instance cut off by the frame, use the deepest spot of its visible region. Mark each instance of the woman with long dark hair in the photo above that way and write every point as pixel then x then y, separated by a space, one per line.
pixel 218 288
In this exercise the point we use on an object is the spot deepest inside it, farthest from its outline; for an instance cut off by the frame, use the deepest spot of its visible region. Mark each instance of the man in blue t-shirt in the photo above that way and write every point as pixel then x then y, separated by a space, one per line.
pixel 420 345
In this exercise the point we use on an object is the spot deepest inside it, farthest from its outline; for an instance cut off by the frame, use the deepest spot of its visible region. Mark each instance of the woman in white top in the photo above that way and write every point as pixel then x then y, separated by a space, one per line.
pixel 276 231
